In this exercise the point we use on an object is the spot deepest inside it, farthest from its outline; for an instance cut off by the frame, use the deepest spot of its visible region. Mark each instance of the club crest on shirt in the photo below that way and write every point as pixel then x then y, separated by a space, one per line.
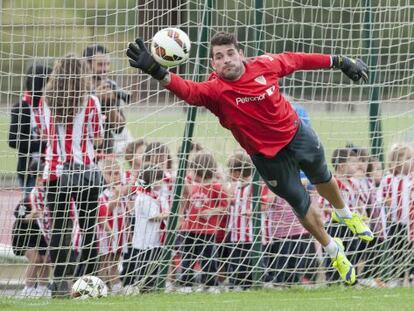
pixel 273 183
pixel 260 80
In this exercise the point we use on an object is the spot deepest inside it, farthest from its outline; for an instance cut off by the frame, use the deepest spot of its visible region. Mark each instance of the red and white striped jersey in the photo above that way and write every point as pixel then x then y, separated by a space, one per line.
pixel 35 118
pixel 352 195
pixel 240 224
pixel 395 195
pixel 279 221
pixel 37 202
pixel 166 191
pixel 148 233
pixel 76 231
pixel 72 142
pixel 111 233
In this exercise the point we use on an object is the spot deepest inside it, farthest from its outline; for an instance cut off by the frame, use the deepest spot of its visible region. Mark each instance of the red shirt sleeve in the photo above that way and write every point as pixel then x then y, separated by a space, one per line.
pixel 194 93
pixel 103 210
pixel 287 63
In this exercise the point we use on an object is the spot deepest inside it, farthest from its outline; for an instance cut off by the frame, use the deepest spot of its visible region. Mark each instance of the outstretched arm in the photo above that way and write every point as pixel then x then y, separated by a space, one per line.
pixel 287 63
pixel 200 94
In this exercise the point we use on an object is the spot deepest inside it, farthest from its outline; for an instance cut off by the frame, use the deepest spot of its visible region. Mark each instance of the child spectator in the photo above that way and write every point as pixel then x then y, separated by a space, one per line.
pixel 346 164
pixel 111 233
pixel 150 218
pixel 30 238
pixel 134 152
pixel 158 154
pixel 207 204
pixel 25 128
pixel 240 223
pixel 375 213
pixel 289 253
pixel 395 197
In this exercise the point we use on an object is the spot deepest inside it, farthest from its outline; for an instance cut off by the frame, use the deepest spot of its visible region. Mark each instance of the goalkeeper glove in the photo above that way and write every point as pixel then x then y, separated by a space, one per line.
pixel 139 57
pixel 354 69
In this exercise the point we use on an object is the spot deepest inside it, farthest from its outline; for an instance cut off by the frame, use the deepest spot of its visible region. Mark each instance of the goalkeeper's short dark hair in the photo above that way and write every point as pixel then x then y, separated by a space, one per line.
pixel 240 161
pixel 223 38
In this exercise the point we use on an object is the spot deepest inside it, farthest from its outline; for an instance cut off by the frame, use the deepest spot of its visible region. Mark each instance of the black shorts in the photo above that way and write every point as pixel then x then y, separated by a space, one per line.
pixel 282 172
pixel 25 236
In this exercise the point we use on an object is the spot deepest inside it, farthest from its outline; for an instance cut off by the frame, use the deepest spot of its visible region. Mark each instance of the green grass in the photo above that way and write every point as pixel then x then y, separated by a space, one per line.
pixel 333 298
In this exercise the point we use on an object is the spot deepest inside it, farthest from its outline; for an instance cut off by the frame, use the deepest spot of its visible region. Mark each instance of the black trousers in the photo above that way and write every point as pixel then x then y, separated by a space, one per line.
pixel 400 253
pixel 374 257
pixel 288 260
pixel 143 268
pixel 83 186
pixel 198 247
pixel 240 265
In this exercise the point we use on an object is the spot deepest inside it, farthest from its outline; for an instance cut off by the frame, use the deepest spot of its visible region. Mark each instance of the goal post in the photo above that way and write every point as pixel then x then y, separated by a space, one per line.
pixel 183 155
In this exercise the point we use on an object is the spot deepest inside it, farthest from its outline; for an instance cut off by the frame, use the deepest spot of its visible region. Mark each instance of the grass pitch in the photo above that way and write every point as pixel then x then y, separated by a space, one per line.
pixel 332 298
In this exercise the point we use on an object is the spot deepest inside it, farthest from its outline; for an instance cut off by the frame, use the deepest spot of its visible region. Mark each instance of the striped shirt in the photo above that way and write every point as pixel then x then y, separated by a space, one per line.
pixel 166 191
pixel 111 233
pixel 72 142
pixel 147 233
pixel 279 221
pixel 37 202
pixel 240 224
pixel 349 188
pixel 395 196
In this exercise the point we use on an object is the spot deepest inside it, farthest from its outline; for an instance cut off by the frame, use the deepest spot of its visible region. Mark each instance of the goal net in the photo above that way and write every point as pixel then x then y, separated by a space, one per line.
pixel 157 152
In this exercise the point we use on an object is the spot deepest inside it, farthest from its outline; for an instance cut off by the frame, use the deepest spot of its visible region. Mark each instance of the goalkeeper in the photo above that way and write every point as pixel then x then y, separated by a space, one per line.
pixel 244 94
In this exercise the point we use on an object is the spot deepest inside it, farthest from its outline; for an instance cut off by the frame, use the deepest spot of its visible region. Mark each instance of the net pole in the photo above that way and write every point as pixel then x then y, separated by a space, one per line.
pixel 375 125
pixel 184 151
pixel 256 213
pixel 372 50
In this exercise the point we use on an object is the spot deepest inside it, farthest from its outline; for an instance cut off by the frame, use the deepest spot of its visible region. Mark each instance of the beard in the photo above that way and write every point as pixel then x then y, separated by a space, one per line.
pixel 232 73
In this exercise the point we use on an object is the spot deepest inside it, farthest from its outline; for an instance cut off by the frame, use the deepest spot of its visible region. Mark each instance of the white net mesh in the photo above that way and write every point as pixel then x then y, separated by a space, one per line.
pixel 86 230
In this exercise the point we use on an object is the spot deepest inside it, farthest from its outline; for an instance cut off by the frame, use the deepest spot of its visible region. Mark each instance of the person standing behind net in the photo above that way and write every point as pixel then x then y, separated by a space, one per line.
pixel 345 164
pixel 24 133
pixel 395 196
pixel 73 125
pixel 240 220
pixel 30 237
pixel 149 229
pixel 244 94
pixel 208 203
pixel 111 97
pixel 112 221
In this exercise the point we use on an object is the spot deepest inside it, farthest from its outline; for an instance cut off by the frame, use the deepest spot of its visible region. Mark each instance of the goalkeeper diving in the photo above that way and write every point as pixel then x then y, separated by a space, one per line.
pixel 244 94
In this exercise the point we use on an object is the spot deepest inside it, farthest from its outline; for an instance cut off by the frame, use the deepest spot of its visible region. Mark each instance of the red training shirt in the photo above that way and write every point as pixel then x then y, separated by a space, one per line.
pixel 204 197
pixel 252 107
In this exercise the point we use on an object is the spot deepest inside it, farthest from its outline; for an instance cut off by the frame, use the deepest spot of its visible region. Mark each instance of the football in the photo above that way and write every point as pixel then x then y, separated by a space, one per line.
pixel 89 286
pixel 170 47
